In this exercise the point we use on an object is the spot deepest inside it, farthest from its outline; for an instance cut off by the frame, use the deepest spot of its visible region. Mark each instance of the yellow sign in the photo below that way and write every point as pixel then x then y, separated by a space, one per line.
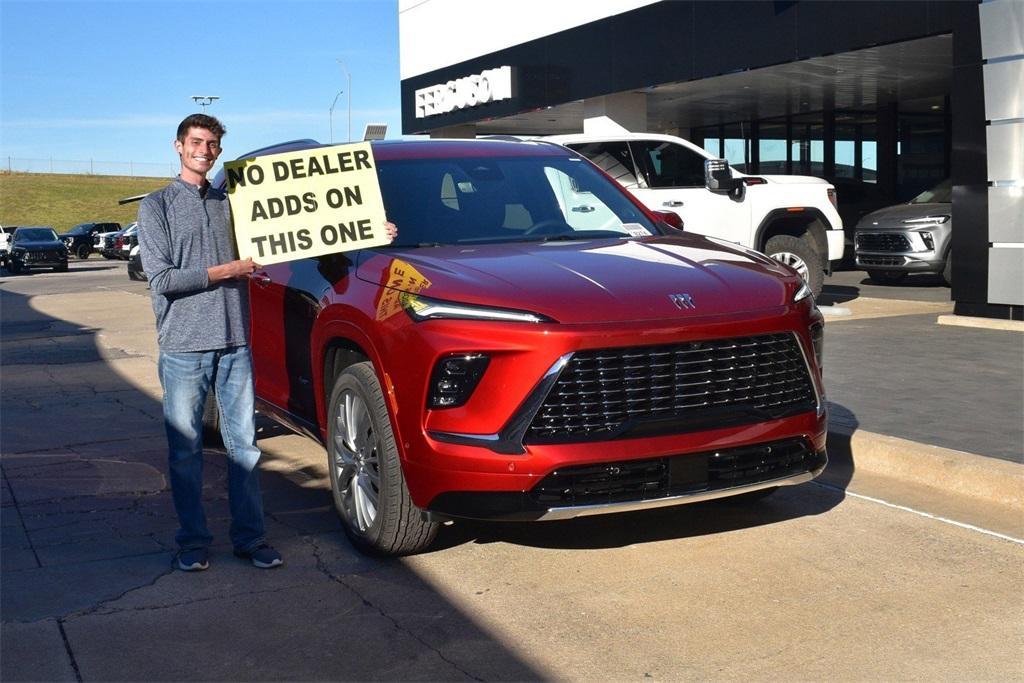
pixel 402 279
pixel 307 203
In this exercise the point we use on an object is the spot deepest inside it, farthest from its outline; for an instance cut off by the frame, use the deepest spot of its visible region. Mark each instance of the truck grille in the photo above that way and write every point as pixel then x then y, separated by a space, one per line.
pixel 883 241
pixel 640 480
pixel 646 391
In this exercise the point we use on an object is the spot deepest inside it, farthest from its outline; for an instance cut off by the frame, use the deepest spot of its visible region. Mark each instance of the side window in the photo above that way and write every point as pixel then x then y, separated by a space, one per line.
pixel 667 164
pixel 614 159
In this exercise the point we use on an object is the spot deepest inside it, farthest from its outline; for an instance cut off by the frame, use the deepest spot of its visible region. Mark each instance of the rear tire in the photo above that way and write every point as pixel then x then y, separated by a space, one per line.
pixel 887 277
pixel 367 482
pixel 798 253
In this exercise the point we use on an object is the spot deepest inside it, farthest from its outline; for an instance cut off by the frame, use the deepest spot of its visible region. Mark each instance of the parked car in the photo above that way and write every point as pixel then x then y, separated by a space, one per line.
pixel 105 244
pixel 908 238
pixel 135 271
pixel 80 239
pixel 5 237
pixel 505 358
pixel 36 247
pixel 125 240
pixel 792 219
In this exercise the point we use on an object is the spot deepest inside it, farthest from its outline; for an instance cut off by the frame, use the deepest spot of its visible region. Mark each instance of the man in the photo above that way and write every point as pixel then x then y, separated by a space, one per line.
pixel 199 290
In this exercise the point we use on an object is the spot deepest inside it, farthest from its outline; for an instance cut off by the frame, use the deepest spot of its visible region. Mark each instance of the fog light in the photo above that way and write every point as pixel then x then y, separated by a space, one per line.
pixel 455 378
pixel 818 342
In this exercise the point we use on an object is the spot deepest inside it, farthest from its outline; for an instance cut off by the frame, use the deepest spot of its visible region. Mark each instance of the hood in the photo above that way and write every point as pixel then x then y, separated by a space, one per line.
pixel 793 179
pixel 892 217
pixel 604 280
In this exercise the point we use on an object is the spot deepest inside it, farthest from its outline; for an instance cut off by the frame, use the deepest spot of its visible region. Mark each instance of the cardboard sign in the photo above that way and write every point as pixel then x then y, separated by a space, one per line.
pixel 402 278
pixel 307 203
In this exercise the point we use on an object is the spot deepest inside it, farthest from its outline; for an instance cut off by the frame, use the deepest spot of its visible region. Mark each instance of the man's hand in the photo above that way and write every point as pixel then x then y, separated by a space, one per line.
pixel 391 229
pixel 232 270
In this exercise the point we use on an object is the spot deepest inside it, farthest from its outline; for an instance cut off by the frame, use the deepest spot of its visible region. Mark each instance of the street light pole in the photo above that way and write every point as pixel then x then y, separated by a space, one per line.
pixel 331 113
pixel 348 76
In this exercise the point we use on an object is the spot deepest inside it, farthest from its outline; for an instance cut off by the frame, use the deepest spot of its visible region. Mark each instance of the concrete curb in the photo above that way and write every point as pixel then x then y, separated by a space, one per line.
pixel 983 323
pixel 988 479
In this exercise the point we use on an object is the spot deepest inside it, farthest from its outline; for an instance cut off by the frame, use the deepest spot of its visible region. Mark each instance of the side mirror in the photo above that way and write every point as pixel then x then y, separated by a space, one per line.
pixel 718 178
pixel 670 217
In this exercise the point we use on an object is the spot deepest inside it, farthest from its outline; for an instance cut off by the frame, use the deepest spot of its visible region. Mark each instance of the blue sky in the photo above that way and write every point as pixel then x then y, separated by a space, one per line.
pixel 111 80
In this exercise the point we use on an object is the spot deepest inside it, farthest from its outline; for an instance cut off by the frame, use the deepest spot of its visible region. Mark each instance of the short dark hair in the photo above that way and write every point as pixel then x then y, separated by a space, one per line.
pixel 200 121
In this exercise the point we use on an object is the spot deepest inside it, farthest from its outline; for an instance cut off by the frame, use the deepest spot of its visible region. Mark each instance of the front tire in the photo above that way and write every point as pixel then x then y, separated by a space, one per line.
pixel 367 482
pixel 947 269
pixel 83 251
pixel 798 253
pixel 887 277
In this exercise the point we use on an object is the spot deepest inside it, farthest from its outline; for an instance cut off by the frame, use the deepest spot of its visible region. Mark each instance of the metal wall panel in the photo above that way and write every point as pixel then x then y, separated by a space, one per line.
pixel 1004 90
pixel 1006 276
pixel 1006 214
pixel 1005 148
pixel 1002 28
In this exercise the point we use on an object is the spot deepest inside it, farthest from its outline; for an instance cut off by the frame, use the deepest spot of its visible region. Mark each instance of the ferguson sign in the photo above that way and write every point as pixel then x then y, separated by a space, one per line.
pixel 490 86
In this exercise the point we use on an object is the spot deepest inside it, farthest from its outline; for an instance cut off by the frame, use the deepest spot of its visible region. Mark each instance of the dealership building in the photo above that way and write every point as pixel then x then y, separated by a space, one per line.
pixel 883 99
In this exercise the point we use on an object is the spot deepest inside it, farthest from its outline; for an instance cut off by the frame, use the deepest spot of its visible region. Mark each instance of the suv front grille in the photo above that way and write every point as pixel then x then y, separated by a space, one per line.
pixel 883 241
pixel 639 480
pixel 646 391
pixel 872 260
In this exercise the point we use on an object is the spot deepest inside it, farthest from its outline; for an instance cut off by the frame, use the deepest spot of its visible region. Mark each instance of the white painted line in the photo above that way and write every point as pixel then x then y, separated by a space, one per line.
pixel 928 515
pixel 835 310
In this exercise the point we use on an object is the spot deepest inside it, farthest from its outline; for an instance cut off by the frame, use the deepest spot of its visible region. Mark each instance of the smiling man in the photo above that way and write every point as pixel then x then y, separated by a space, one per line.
pixel 199 290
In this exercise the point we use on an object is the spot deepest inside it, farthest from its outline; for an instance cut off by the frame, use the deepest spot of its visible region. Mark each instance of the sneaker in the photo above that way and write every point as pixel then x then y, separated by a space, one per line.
pixel 262 556
pixel 194 560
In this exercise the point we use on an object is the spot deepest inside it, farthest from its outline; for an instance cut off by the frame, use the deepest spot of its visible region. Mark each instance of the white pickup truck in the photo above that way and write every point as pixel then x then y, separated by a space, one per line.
pixel 5 239
pixel 793 219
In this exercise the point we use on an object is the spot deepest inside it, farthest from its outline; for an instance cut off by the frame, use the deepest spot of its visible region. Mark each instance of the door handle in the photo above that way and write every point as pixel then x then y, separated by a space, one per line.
pixel 584 208
pixel 673 202
pixel 262 279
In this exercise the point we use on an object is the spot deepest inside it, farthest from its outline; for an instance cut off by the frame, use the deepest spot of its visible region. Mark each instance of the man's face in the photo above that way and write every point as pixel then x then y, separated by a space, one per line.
pixel 199 151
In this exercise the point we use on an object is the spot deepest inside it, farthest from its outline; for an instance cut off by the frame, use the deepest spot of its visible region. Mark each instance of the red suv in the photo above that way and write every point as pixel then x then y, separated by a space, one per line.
pixel 536 344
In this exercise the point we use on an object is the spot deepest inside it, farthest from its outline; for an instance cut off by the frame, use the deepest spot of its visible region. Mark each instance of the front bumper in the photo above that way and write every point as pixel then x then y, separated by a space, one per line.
pixel 479 460
pixel 626 486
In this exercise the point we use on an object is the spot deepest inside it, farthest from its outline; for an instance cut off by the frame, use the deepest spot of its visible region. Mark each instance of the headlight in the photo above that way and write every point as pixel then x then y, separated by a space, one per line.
pixel 454 379
pixel 803 292
pixel 421 308
pixel 926 220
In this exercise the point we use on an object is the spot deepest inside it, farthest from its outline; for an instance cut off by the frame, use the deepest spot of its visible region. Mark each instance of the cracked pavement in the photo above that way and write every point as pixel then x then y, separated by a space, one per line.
pixel 810 584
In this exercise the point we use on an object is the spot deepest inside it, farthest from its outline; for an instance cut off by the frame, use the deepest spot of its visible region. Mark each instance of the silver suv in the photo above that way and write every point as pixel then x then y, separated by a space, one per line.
pixel 907 238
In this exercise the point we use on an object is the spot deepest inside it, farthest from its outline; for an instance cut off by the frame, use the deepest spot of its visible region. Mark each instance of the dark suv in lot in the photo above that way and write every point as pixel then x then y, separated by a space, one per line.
pixel 34 248
pixel 535 345
pixel 79 239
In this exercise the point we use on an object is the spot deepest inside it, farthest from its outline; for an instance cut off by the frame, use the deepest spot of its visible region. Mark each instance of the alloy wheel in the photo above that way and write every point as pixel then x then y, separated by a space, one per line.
pixel 356 464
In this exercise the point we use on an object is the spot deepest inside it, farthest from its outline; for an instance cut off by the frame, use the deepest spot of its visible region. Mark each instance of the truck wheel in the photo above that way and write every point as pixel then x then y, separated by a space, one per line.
pixel 367 482
pixel 83 251
pixel 211 421
pixel 887 277
pixel 62 268
pixel 15 267
pixel 947 269
pixel 796 252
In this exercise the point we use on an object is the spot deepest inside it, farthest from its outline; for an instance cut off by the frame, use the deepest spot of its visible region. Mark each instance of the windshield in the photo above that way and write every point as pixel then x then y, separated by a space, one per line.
pixel 940 194
pixel 80 229
pixel 475 200
pixel 35 235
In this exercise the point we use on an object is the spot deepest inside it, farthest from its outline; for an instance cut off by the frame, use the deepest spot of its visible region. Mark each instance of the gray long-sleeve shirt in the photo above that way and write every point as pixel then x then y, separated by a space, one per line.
pixel 182 232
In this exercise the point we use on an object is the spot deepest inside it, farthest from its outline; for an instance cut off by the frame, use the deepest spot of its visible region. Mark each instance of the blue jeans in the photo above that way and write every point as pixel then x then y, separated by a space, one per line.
pixel 186 379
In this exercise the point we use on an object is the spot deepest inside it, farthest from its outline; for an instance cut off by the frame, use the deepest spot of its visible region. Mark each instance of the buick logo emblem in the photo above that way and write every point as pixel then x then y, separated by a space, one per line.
pixel 682 301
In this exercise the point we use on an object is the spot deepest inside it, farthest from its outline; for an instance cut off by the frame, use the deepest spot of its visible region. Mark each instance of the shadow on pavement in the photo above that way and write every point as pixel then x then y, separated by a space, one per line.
pixel 87 536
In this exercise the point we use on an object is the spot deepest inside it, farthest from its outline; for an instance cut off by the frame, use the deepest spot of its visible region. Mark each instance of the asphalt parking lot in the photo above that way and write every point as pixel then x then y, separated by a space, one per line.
pixel 859 576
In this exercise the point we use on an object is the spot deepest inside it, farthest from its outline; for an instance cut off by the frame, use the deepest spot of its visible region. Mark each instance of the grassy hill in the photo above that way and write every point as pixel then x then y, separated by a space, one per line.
pixel 63 201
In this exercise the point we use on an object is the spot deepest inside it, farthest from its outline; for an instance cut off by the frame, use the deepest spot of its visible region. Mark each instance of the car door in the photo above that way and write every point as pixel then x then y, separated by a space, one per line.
pixel 672 178
pixel 284 301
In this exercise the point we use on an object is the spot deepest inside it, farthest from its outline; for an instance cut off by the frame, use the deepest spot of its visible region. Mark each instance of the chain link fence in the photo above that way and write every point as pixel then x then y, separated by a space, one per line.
pixel 90 167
